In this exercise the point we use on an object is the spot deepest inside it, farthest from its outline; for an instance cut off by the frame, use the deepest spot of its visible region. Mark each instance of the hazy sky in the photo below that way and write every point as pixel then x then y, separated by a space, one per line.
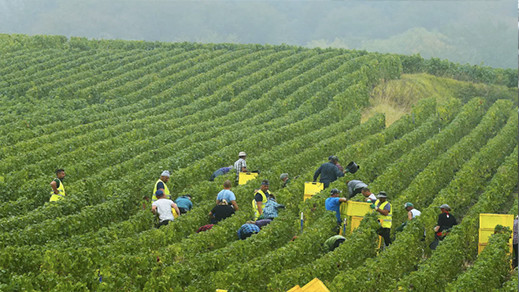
pixel 478 32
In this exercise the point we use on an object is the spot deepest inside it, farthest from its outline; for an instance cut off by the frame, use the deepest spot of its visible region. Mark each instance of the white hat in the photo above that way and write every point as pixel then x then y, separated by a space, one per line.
pixel 165 173
pixel 242 154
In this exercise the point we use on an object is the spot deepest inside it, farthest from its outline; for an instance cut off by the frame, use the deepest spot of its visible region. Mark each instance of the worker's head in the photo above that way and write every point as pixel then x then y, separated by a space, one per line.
pixel 335 192
pixel 409 206
pixel 227 184
pixel 366 192
pixel 242 154
pixel 60 173
pixel 382 196
pixel 164 176
pixel 264 185
pixel 159 194
pixel 333 159
pixel 283 176
pixel 445 208
pixel 188 196
pixel 271 197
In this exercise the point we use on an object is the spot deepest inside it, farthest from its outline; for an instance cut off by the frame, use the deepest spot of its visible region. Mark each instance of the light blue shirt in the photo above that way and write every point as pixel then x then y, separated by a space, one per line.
pixel 227 195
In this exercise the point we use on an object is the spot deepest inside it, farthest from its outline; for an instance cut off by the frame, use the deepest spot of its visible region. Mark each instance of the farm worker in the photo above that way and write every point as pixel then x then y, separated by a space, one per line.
pixel 163 206
pixel 220 212
pixel 184 203
pixel 355 187
pixel 227 194
pixel 328 172
pixel 240 165
pixel 247 229
pixel 335 161
pixel 260 198
pixel 514 259
pixel 161 185
pixel 333 242
pixel 370 197
pixel 333 203
pixel 58 189
pixel 411 214
pixel 445 222
pixel 271 208
pixel 411 211
pixel 385 216
pixel 284 179
pixel 220 171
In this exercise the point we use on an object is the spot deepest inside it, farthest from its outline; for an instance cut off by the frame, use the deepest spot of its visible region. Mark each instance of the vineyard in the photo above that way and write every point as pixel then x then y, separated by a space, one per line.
pixel 115 114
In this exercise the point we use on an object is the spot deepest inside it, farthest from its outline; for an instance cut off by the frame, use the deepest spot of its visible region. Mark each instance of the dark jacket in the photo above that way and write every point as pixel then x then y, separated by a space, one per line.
pixel 329 173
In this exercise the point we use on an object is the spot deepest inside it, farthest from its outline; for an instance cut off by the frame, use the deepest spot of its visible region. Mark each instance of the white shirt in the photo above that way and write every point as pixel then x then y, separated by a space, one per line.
pixel 164 209
pixel 372 198
pixel 415 213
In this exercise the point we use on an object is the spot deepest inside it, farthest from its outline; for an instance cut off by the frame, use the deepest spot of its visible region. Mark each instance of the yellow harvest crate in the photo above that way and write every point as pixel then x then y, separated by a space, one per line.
pixel 355 222
pixel 244 177
pixel 487 223
pixel 296 288
pixel 358 208
pixel 315 286
pixel 312 188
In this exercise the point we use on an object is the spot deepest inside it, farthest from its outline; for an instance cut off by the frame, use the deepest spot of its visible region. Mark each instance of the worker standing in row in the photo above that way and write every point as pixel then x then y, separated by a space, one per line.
pixel 445 222
pixel 333 203
pixel 260 198
pixel 385 217
pixel 58 189
pixel 161 185
pixel 240 165
pixel 328 171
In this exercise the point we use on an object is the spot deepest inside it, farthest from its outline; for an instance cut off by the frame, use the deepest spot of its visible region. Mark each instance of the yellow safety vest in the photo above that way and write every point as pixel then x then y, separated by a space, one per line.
pixel 385 221
pixel 255 205
pixel 60 195
pixel 166 190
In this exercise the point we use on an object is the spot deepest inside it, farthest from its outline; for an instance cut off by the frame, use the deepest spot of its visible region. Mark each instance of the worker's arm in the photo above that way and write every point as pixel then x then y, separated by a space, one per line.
pixel 409 215
pixel 174 206
pixel 244 169
pixel 382 211
pixel 436 228
pixel 317 173
pixel 338 172
pixel 235 205
pixel 260 211
pixel 54 188
pixel 154 209
pixel 342 200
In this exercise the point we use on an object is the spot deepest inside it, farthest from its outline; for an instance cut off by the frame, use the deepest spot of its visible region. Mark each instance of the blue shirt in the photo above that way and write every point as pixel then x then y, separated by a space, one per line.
pixel 184 202
pixel 227 195
pixel 333 204
pixel 247 229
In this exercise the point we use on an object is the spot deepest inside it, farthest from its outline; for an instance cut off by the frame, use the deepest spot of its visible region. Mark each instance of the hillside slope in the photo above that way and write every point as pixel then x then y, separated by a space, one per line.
pixel 115 114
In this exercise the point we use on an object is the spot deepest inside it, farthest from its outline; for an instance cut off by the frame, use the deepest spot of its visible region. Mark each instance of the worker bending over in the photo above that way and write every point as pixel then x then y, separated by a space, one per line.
pixel 163 207
pixel 355 187
pixel 329 172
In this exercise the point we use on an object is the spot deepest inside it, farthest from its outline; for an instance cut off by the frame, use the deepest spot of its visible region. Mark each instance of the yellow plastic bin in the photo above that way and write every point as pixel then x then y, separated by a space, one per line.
pixel 487 223
pixel 244 177
pixel 315 286
pixel 355 222
pixel 312 188
pixel 358 208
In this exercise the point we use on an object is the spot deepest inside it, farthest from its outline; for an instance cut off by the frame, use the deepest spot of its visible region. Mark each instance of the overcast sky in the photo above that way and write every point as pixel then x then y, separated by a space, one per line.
pixel 476 32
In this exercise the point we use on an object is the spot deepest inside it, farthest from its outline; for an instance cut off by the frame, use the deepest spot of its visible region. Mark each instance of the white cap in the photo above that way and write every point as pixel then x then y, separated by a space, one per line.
pixel 242 154
pixel 165 173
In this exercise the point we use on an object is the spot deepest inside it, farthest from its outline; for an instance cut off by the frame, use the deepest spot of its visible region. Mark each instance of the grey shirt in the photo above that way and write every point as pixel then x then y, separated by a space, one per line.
pixel 355 184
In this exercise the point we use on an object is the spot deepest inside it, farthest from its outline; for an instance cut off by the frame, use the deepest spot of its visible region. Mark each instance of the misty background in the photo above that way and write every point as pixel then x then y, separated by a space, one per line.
pixel 475 32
